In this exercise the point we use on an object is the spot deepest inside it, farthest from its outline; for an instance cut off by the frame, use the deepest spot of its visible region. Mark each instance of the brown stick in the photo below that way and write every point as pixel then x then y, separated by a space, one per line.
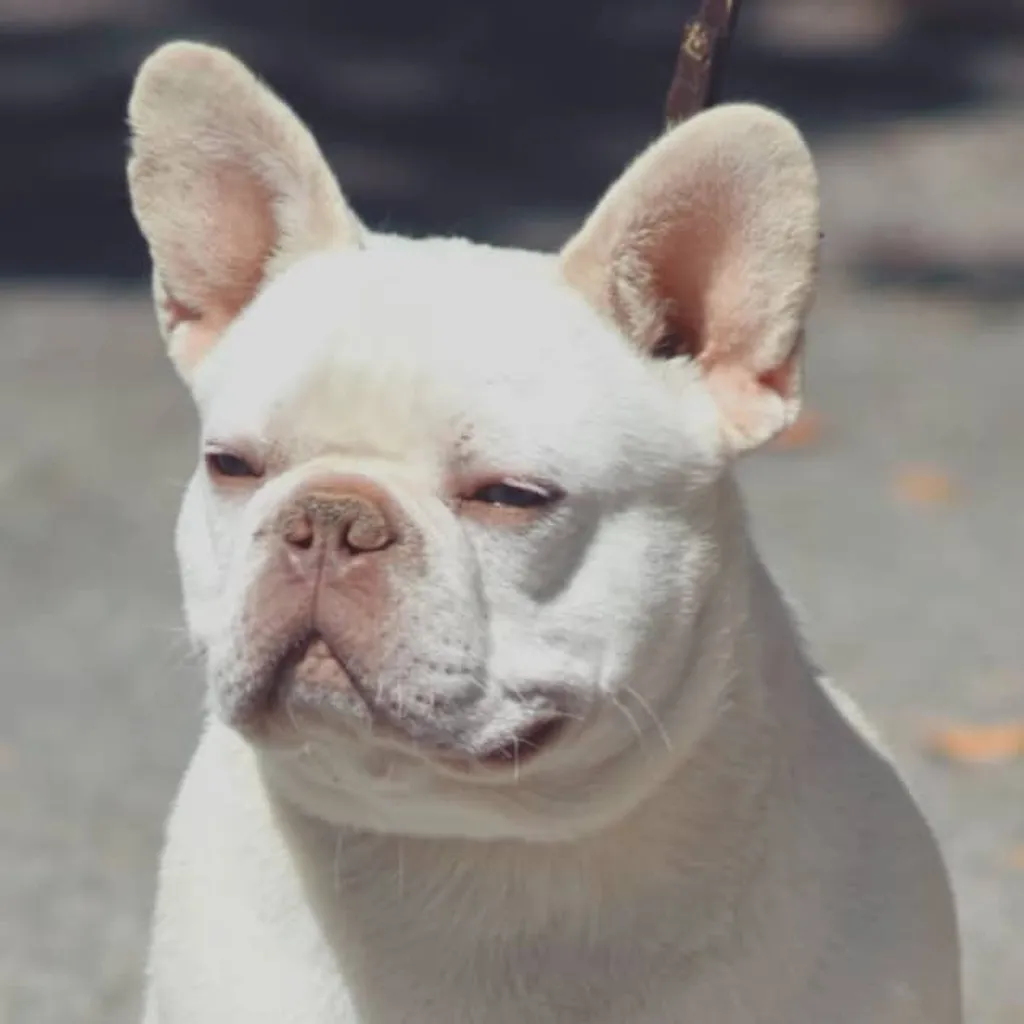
pixel 697 81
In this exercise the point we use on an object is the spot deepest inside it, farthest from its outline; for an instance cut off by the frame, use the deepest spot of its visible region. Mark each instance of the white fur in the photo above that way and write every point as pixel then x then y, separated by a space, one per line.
pixel 711 841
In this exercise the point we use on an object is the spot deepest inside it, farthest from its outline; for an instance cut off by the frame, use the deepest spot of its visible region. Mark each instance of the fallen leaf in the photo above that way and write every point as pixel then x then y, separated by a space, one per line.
pixel 979 744
pixel 1017 858
pixel 803 432
pixel 925 485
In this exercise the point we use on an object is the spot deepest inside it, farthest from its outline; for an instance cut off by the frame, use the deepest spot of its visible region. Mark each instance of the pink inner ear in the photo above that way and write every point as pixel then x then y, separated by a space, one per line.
pixel 686 281
pixel 216 269
pixel 707 247
pixel 705 287
pixel 679 281
pixel 696 276
pixel 662 251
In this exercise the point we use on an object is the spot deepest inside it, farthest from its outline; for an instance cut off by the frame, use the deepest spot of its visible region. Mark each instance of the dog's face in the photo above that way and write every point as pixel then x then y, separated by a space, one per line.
pixel 458 509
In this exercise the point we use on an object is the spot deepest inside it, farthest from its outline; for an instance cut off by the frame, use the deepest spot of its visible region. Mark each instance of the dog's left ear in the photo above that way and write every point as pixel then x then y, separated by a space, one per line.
pixel 229 189
pixel 706 248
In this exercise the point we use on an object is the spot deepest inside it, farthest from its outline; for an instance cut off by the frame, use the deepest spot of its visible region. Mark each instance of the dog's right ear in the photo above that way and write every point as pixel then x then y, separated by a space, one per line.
pixel 228 187
pixel 705 251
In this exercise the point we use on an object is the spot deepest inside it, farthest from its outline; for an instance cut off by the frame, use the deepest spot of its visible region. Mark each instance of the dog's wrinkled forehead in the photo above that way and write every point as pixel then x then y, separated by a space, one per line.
pixel 406 349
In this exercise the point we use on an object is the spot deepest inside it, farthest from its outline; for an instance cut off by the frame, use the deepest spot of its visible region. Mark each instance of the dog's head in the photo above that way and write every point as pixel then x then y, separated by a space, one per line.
pixel 458 509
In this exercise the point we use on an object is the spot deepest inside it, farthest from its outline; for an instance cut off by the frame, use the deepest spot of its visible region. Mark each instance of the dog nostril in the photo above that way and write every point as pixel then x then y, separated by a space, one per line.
pixel 299 533
pixel 369 531
pixel 337 523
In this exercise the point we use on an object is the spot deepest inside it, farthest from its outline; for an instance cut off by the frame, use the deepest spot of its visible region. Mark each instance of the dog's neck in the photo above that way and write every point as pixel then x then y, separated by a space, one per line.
pixel 676 840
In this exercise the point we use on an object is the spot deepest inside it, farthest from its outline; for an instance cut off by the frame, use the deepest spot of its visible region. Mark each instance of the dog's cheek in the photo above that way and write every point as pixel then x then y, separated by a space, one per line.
pixel 440 619
pixel 538 560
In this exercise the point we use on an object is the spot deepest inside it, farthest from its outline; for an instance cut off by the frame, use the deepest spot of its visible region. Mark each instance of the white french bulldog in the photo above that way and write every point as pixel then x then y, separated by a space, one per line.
pixel 508 723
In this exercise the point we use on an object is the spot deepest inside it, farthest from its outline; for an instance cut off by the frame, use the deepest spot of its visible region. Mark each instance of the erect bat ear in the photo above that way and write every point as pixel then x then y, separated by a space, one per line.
pixel 706 248
pixel 228 187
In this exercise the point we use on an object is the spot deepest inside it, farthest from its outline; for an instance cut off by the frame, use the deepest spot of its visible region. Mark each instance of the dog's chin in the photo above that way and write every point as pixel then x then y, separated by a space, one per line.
pixel 396 789
pixel 328 753
pixel 308 695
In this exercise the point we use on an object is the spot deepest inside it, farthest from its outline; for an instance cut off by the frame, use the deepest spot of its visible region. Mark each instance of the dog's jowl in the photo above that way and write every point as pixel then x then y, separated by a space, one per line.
pixel 507 722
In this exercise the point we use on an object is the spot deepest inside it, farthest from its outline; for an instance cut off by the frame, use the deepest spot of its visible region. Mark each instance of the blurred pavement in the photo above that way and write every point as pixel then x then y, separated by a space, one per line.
pixel 912 597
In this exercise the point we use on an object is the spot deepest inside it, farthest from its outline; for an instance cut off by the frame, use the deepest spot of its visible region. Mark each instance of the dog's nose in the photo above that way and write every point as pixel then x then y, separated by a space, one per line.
pixel 343 515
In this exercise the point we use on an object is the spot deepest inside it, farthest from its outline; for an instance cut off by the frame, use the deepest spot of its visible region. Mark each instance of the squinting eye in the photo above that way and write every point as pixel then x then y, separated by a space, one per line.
pixel 515 495
pixel 227 464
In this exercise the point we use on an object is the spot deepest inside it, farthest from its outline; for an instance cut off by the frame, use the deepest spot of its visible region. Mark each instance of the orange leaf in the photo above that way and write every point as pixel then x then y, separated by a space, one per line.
pixel 981 744
pixel 925 485
pixel 803 432
pixel 1017 857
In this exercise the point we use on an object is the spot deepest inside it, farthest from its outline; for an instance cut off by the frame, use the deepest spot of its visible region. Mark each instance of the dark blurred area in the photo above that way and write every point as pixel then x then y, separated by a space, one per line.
pixel 457 116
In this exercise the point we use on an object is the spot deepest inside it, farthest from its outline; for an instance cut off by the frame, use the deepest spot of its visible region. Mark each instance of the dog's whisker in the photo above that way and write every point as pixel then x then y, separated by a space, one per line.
pixel 631 719
pixel 658 725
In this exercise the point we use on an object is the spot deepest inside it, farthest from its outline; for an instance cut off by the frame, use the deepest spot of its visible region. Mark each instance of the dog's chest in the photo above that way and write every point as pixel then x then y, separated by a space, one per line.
pixel 442 983
pixel 410 959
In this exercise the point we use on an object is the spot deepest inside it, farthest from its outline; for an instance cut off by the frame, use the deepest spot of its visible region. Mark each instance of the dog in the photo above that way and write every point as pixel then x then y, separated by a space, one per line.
pixel 507 721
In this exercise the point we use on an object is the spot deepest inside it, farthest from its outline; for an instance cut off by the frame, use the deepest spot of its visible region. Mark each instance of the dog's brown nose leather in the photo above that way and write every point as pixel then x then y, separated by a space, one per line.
pixel 341 515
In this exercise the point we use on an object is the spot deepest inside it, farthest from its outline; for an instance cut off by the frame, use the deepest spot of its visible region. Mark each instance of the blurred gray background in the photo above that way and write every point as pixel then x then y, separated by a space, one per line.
pixel 895 515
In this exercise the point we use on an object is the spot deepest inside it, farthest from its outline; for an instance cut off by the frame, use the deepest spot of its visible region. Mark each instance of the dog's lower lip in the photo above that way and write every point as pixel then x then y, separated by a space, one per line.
pixel 527 744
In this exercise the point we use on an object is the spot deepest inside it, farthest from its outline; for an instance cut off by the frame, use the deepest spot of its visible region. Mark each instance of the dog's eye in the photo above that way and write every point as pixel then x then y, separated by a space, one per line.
pixel 228 464
pixel 517 495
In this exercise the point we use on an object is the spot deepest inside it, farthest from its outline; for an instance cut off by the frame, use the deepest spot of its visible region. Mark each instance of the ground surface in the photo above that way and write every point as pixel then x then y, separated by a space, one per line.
pixel 898 527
